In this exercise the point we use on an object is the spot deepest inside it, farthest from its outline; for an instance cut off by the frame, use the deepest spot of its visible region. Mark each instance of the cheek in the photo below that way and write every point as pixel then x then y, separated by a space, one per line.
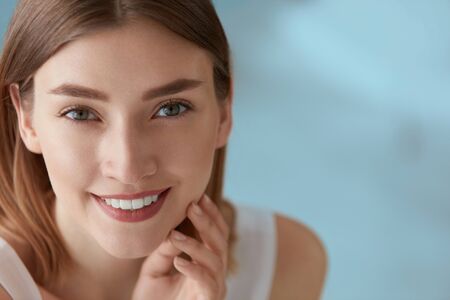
pixel 183 151
pixel 188 160
pixel 67 159
pixel 190 154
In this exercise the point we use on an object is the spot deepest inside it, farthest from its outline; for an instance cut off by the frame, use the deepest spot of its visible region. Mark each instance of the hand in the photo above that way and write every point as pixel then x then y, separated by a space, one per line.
pixel 203 277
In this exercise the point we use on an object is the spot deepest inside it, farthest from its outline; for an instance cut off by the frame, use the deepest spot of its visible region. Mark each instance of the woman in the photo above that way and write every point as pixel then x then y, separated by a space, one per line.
pixel 114 121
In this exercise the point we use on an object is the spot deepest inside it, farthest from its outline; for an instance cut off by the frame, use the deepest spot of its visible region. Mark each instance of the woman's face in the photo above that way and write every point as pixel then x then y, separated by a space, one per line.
pixel 122 143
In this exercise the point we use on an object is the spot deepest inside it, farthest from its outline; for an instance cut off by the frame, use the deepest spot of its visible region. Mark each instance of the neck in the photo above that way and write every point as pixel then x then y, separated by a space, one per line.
pixel 108 279
pixel 95 274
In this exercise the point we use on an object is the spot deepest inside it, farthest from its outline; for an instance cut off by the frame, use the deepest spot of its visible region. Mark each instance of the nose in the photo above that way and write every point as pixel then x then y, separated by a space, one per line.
pixel 127 156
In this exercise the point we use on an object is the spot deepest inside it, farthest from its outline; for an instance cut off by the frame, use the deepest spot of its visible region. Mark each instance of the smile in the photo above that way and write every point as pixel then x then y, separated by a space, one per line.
pixel 131 204
pixel 132 210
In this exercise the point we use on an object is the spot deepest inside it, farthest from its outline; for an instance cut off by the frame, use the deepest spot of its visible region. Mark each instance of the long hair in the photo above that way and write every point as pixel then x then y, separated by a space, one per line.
pixel 38 29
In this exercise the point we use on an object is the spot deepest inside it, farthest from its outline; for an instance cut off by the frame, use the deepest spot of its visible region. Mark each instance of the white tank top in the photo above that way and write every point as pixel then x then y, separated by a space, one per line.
pixel 14 276
pixel 255 253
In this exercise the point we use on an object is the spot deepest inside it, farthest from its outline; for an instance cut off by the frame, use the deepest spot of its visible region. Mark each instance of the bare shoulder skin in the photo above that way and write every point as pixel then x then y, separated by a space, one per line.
pixel 301 262
pixel 300 269
pixel 3 294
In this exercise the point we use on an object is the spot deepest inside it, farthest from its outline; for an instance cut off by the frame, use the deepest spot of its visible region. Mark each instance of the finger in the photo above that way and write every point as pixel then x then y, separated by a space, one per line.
pixel 209 287
pixel 198 252
pixel 160 262
pixel 213 211
pixel 209 232
pixel 207 228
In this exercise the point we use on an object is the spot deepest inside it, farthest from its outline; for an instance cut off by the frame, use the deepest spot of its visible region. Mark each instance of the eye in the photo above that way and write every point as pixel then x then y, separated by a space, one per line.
pixel 173 109
pixel 79 114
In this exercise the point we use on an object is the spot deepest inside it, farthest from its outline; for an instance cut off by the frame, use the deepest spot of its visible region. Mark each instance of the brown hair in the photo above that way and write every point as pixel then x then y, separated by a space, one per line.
pixel 36 32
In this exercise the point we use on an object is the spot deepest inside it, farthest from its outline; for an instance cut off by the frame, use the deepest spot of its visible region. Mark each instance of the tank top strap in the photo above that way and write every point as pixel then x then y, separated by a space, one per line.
pixel 255 252
pixel 14 276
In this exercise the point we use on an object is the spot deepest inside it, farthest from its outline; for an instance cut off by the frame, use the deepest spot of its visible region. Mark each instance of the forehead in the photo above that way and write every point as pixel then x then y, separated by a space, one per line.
pixel 140 53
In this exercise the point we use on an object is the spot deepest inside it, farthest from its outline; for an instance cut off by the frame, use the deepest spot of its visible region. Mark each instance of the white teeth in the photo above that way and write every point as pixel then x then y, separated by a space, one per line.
pixel 136 204
pixel 125 204
pixel 131 204
pixel 115 203
pixel 148 200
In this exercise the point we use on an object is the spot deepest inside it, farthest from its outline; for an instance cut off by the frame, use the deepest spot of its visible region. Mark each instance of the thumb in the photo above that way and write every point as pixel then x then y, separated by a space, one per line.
pixel 160 262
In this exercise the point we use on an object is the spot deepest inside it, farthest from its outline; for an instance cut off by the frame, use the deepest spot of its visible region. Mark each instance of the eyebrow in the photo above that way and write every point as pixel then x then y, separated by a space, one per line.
pixel 173 87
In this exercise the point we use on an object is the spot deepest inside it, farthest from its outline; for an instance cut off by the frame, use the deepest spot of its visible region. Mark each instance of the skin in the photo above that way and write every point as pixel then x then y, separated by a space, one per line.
pixel 127 149
pixel 301 265
pixel 129 146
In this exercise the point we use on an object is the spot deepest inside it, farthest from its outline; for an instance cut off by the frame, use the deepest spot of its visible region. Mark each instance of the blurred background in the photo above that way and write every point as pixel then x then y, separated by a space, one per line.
pixel 341 120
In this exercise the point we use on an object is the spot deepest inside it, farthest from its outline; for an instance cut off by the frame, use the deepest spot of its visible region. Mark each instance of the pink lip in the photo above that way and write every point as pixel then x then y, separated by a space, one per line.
pixel 133 196
pixel 137 215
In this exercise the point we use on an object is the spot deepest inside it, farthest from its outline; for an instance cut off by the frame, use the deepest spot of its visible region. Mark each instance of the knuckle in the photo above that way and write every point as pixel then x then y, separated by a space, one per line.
pixel 205 224
pixel 196 246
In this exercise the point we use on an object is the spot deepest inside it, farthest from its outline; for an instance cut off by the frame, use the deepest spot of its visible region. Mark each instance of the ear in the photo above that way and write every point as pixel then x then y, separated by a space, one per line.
pixel 26 130
pixel 226 119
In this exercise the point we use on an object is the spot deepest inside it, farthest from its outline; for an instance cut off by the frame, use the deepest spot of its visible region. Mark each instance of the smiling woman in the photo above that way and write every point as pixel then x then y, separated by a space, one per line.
pixel 114 121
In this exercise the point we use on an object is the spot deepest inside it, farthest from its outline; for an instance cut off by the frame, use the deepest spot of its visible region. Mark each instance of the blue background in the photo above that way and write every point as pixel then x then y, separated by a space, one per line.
pixel 341 121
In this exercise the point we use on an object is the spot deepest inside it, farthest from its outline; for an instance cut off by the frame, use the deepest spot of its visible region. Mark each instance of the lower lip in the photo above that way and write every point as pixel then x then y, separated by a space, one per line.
pixel 137 215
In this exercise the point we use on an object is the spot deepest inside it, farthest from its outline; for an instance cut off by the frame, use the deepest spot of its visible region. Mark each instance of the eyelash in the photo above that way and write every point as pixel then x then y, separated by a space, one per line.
pixel 167 103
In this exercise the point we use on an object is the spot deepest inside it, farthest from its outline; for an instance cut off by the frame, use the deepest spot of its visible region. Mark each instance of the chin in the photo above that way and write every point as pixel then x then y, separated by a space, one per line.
pixel 129 248
pixel 130 252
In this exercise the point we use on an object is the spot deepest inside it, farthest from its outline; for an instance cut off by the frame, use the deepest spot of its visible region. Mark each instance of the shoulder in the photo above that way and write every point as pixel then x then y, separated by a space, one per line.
pixel 301 261
pixel 3 294
pixel 20 247
pixel 45 295
pixel 23 252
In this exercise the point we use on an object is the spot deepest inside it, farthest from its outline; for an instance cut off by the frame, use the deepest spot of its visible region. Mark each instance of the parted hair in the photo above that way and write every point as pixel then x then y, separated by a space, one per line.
pixel 37 30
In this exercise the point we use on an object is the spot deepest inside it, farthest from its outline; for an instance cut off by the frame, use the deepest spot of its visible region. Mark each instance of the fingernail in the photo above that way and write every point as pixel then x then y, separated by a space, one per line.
pixel 178 235
pixel 197 209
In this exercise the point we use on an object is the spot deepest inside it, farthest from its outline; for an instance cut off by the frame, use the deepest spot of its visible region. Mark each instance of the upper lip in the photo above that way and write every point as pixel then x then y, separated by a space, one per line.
pixel 133 196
